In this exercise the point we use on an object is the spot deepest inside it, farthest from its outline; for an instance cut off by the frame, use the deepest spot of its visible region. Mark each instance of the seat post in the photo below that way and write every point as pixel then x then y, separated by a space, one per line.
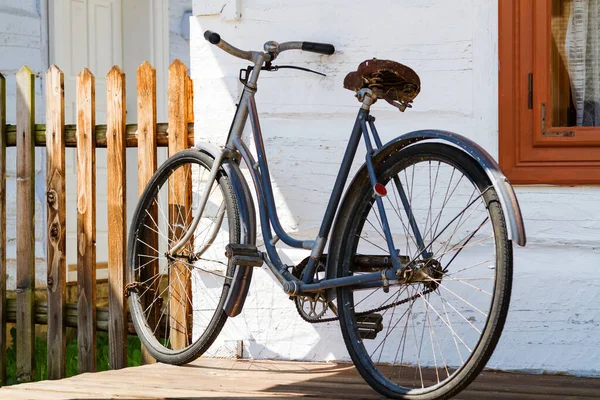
pixel 366 97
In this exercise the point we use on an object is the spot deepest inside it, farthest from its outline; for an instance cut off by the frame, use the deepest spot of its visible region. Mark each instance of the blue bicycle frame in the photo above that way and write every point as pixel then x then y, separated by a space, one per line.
pixel 236 150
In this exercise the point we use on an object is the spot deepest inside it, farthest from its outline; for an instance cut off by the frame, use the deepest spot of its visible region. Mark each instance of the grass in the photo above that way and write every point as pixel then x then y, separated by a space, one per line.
pixel 134 355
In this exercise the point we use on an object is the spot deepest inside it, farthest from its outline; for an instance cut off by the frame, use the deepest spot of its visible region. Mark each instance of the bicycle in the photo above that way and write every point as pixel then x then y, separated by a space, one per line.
pixel 419 257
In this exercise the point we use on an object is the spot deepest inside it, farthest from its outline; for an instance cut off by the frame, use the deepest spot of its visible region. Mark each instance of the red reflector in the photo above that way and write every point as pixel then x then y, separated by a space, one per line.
pixel 380 190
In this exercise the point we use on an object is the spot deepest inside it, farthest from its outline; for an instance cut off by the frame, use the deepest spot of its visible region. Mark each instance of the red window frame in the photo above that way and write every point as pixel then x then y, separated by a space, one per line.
pixel 531 151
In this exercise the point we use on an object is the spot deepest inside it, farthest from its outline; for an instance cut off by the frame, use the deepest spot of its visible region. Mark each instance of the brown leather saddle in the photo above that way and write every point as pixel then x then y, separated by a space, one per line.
pixel 388 80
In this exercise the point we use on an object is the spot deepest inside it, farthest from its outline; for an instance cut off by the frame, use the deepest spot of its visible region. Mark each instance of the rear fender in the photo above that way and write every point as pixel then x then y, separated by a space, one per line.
pixel 242 275
pixel 506 194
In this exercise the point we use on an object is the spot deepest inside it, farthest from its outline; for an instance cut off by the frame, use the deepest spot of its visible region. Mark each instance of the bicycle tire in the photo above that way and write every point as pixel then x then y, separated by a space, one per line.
pixel 346 238
pixel 155 342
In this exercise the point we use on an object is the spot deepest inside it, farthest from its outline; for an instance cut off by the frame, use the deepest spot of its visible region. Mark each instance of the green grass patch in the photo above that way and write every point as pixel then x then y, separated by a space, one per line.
pixel 134 355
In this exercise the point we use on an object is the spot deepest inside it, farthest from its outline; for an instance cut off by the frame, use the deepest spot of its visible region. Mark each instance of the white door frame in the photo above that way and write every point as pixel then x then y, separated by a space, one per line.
pixel 160 54
pixel 160 45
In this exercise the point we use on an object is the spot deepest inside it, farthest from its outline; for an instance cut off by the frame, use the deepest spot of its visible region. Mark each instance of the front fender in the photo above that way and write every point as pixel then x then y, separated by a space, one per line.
pixel 506 194
pixel 242 275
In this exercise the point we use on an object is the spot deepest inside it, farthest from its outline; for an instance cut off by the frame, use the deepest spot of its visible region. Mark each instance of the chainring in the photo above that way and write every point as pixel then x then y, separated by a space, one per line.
pixel 312 308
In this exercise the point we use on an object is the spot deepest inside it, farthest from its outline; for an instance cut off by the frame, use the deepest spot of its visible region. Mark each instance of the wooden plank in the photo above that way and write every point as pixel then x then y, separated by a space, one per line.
pixel 179 276
pixel 99 265
pixel 25 227
pixel 258 379
pixel 117 217
pixel 56 208
pixel 147 164
pixel 69 316
pixel 162 136
pixel 3 336
pixel 86 222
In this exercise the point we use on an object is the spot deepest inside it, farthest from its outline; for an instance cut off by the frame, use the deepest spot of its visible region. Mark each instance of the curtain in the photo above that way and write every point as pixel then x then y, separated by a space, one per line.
pixel 582 48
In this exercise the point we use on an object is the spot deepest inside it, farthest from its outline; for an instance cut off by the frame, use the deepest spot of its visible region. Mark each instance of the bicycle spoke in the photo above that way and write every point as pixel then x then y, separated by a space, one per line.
pixel 463 300
pixel 388 329
pixel 448 225
pixel 380 234
pixel 471 267
pixel 447 325
pixel 452 330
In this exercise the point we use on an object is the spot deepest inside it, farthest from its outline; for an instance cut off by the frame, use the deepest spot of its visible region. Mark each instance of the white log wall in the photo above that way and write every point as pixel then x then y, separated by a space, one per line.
pixel 554 320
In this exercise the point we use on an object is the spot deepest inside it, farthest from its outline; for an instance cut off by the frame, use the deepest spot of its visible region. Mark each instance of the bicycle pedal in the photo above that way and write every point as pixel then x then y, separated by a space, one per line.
pixel 245 255
pixel 369 325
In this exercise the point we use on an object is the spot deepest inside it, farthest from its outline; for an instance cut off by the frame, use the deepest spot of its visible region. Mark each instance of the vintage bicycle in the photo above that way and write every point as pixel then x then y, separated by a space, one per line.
pixel 418 266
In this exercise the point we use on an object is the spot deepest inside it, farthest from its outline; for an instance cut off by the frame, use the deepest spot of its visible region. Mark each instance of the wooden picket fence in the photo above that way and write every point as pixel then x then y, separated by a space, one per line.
pixel 86 136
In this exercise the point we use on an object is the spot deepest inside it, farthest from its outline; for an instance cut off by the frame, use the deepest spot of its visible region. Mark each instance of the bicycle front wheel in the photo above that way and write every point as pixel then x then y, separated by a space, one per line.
pixel 429 333
pixel 176 300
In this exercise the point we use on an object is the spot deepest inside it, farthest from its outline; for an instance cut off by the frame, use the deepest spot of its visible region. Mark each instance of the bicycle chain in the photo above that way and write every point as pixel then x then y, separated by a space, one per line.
pixel 374 310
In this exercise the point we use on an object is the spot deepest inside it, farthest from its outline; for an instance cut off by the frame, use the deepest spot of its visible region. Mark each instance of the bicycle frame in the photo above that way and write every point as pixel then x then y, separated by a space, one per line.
pixel 259 171
pixel 236 150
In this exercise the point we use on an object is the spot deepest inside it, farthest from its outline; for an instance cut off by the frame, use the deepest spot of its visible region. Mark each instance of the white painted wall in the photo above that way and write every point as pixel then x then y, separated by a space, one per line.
pixel 21 44
pixel 179 45
pixel 554 319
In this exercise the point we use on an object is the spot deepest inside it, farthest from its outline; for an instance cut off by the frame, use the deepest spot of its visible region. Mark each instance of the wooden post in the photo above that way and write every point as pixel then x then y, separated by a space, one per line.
pixel 179 276
pixel 3 340
pixel 117 217
pixel 56 206
pixel 25 225
pixel 86 221
pixel 147 163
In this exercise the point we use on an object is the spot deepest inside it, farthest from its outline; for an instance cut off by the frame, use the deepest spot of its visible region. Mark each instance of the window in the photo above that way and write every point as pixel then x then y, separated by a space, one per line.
pixel 550 91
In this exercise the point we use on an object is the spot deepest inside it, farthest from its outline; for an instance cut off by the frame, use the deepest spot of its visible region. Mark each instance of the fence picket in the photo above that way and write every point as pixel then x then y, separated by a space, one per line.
pixel 179 203
pixel 85 135
pixel 147 162
pixel 25 227
pixel 117 217
pixel 86 222
pixel 56 206
pixel 2 230
pixel 189 101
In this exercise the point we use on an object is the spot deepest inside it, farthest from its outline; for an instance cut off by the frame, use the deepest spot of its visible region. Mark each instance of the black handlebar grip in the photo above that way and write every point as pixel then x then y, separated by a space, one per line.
pixel 321 48
pixel 212 37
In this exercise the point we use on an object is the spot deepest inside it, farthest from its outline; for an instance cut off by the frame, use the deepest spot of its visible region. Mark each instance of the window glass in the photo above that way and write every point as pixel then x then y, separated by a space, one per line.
pixel 575 63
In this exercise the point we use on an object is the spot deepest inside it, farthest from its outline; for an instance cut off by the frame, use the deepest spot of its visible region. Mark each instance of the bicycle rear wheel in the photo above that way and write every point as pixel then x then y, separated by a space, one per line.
pixel 433 332
pixel 176 301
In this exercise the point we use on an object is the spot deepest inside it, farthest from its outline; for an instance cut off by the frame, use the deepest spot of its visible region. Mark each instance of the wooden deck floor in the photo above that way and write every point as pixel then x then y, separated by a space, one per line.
pixel 231 379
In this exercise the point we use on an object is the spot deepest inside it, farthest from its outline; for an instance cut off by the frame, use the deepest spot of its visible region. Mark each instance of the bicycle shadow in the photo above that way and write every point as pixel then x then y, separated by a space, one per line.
pixel 270 327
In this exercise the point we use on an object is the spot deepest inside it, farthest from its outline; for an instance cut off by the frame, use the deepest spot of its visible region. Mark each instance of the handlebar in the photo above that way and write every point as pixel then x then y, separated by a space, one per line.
pixel 321 48
pixel 215 39
pixel 273 48
pixel 212 37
